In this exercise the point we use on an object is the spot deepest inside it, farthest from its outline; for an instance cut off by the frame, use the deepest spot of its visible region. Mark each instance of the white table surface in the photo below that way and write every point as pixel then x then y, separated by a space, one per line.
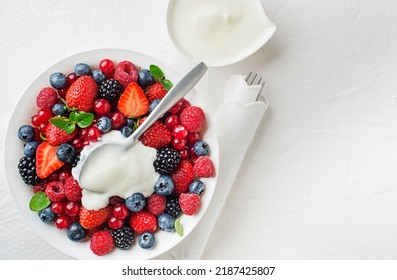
pixel 320 180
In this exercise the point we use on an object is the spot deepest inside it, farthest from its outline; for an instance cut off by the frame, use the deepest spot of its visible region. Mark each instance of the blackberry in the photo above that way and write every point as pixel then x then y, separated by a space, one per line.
pixel 111 90
pixel 76 160
pixel 123 237
pixel 172 207
pixel 27 170
pixel 167 160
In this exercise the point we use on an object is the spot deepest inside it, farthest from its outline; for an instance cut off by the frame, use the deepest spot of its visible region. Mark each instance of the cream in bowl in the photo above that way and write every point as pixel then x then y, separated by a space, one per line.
pixel 218 32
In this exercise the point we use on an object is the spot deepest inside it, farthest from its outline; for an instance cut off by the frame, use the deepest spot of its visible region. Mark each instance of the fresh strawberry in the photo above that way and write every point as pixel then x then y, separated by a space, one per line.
pixel 82 94
pixel 155 91
pixel 182 177
pixel 143 221
pixel 133 102
pixel 93 218
pixel 46 160
pixel 157 136
pixel 56 136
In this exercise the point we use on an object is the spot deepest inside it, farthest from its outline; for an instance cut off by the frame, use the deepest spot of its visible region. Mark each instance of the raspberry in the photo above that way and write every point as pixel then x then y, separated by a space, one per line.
pixel 203 167
pixel 183 176
pixel 55 191
pixel 193 118
pixel 190 203
pixel 46 98
pixel 72 189
pixel 155 204
pixel 126 72
pixel 143 221
pixel 155 91
pixel 102 243
pixel 179 106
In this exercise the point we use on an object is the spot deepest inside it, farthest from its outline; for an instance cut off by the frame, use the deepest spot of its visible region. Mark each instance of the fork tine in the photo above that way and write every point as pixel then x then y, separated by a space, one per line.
pixel 248 76
pixel 260 91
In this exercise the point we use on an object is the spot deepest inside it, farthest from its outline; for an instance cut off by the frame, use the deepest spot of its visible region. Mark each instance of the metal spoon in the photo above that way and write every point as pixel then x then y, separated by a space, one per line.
pixel 178 91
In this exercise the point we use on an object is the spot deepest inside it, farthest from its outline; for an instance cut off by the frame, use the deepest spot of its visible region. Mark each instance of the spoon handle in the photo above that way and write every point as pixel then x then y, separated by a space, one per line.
pixel 178 91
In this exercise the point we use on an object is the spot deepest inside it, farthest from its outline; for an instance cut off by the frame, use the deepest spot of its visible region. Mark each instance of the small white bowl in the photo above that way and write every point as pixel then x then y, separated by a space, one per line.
pixel 218 32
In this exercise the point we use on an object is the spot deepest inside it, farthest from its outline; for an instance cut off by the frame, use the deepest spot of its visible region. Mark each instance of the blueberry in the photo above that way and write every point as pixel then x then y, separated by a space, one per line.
pixel 166 222
pixel 82 69
pixel 153 104
pixel 164 185
pixel 146 240
pixel 126 131
pixel 58 80
pixel 59 109
pixel 145 78
pixel 98 76
pixel 104 124
pixel 197 187
pixel 130 122
pixel 201 148
pixel 66 153
pixel 46 215
pixel 29 149
pixel 136 202
pixel 26 133
pixel 76 232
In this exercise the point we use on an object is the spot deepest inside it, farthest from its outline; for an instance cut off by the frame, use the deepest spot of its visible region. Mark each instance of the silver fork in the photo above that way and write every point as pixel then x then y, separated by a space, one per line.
pixel 253 79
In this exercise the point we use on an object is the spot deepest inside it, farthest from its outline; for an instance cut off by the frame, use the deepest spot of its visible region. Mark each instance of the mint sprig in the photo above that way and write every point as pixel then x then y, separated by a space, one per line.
pixel 39 201
pixel 178 226
pixel 158 74
pixel 80 119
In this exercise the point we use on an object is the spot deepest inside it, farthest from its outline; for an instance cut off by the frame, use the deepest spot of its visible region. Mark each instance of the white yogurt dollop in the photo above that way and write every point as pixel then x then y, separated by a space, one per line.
pixel 114 170
pixel 217 31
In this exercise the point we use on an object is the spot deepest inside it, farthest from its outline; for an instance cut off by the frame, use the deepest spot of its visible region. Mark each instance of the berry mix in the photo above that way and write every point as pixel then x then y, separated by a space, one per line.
pixel 76 110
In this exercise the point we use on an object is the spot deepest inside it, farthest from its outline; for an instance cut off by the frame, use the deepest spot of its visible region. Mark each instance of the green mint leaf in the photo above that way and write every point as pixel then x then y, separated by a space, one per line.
pixel 39 201
pixel 70 127
pixel 166 84
pixel 178 226
pixel 59 122
pixel 157 73
pixel 73 117
pixel 85 119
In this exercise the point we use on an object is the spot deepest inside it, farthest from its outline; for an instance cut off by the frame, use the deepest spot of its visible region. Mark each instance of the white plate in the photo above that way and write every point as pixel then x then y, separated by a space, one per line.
pixel 22 193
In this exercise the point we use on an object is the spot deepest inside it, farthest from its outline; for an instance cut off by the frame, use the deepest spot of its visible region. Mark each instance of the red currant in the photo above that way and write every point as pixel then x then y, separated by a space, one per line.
pixel 178 144
pixel 64 174
pixel 120 211
pixel 37 135
pixel 171 121
pixel 179 132
pixel 58 207
pixel 102 106
pixel 78 144
pixel 184 154
pixel 62 222
pixel 72 208
pixel 53 177
pixel 118 120
pixel 43 127
pixel 184 103
pixel 72 77
pixel 107 67
pixel 62 92
pixel 192 138
pixel 35 120
pixel 83 133
pixel 45 114
pixel 94 134
pixel 115 223
pixel 86 142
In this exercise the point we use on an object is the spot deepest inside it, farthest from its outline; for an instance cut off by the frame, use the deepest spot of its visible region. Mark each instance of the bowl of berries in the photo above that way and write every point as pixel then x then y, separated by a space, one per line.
pixel 132 204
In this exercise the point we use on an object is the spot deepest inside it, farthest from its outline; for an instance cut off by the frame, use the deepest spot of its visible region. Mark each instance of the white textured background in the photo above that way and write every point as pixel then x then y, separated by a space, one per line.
pixel 320 180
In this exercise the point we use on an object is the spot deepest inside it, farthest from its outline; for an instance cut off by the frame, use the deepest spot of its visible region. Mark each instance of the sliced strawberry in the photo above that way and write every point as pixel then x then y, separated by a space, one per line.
pixel 46 160
pixel 93 218
pixel 133 102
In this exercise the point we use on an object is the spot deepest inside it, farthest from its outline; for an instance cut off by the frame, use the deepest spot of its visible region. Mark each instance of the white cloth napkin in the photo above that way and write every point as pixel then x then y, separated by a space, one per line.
pixel 236 121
